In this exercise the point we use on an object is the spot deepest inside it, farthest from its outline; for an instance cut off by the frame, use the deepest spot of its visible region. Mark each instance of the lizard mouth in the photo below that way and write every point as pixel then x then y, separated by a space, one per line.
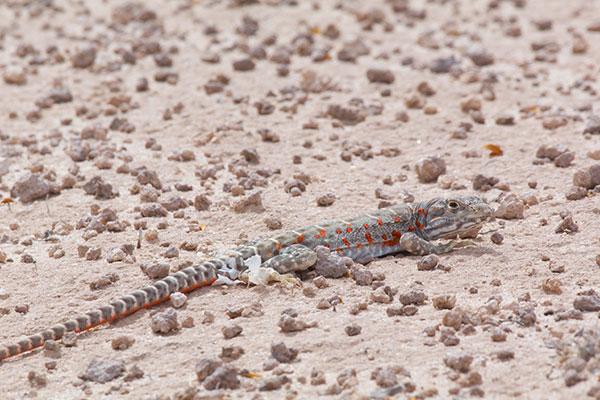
pixel 472 223
pixel 473 227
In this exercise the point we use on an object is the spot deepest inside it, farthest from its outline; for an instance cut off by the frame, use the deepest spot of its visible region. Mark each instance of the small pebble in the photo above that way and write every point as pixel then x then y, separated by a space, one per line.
pixel 178 299
pixel 115 254
pixel 352 330
pixel 288 323
pixel 505 119
pixel 448 337
pixel 231 330
pixel 576 193
pixel 165 322
pixel 505 355
pixel 460 362
pixel 416 297
pixel 52 349
pixel 22 308
pixel 270 364
pixel 270 384
pixel 454 319
pixel 207 317
pixel 157 271
pixel 37 379
pixel 282 353
pixel 587 178
pixel 480 56
pixel 362 276
pixel 425 89
pixel 134 373
pixel 188 322
pixel 444 301
pixel 231 353
pixel 552 286
pixel 326 199
pixel 69 339
pixel 205 367
pixel 587 303
pixel 122 342
pixel 243 64
pixel 84 57
pixel 511 207
pixel 309 292
pixel 526 315
pixel 381 296
pixel 430 168
pixel 428 263
pixel 498 335
pixel 395 310
pixel 380 75
pixel 385 377
pixel 321 282
pixel 496 238
pixel 567 225
pixel 224 377
pixel 103 371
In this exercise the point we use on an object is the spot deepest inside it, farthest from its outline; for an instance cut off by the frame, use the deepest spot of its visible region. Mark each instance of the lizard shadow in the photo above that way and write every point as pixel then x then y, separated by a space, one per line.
pixel 476 251
pixel 472 252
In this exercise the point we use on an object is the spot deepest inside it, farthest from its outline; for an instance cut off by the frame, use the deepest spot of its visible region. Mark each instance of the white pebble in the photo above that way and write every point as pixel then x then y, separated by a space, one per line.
pixel 178 299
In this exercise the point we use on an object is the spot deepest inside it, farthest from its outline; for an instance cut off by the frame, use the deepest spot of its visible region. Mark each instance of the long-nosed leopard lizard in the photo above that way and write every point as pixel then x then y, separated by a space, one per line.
pixel 406 227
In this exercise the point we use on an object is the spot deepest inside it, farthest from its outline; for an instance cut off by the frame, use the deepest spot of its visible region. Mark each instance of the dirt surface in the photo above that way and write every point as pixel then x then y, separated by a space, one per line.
pixel 345 98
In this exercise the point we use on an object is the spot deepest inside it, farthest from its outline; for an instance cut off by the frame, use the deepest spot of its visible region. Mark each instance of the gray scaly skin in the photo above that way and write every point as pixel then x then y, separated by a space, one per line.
pixel 405 227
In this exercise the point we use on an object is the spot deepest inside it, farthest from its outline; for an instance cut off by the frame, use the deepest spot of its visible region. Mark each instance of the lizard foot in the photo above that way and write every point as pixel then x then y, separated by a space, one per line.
pixel 262 276
pixel 446 247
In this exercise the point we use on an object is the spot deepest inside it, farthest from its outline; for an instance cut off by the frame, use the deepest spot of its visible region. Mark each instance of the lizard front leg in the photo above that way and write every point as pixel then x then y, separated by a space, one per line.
pixel 419 246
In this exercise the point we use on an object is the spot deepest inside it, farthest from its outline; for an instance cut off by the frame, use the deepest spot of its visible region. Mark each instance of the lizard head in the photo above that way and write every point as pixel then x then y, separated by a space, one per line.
pixel 454 215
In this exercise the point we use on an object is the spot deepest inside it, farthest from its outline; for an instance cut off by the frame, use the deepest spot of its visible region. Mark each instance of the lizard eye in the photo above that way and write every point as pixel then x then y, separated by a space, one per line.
pixel 452 204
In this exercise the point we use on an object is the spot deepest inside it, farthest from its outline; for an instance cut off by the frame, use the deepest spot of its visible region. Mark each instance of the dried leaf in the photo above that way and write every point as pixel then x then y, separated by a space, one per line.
pixel 494 150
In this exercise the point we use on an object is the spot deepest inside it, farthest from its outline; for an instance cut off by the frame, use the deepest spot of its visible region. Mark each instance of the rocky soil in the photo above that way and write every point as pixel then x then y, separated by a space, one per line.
pixel 138 137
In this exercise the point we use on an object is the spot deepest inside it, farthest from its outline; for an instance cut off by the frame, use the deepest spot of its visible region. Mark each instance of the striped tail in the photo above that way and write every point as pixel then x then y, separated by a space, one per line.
pixel 185 280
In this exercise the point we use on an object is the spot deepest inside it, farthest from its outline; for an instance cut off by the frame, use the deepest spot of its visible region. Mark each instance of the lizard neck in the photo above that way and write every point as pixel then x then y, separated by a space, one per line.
pixel 418 217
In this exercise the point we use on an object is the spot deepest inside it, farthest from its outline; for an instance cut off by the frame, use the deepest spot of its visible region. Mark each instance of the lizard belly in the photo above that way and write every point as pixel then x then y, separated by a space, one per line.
pixel 369 252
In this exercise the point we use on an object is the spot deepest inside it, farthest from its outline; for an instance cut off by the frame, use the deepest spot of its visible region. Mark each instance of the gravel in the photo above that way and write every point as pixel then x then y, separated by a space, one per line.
pixel 103 371
pixel 165 322
pixel 30 187
pixel 430 168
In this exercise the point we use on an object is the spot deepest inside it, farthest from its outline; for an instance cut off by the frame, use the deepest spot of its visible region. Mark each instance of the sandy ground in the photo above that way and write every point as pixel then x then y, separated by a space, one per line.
pixel 533 61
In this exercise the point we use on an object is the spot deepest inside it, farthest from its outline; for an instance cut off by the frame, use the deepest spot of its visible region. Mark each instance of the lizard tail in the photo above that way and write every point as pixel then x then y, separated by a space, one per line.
pixel 186 280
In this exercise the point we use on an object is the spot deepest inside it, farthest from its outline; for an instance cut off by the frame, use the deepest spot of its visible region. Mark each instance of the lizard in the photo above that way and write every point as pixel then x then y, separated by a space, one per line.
pixel 407 228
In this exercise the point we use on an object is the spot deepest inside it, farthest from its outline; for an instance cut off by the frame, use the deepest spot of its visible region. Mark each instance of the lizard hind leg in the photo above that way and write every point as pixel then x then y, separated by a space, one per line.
pixel 292 258
pixel 280 268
